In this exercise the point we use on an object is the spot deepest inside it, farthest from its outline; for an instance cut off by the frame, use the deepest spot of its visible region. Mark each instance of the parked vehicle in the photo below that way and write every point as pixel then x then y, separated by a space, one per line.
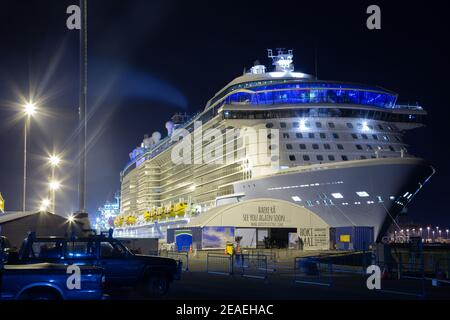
pixel 46 281
pixel 150 275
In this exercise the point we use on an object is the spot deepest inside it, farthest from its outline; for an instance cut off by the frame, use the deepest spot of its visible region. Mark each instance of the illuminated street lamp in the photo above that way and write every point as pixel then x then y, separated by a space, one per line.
pixel 45 203
pixel 55 185
pixel 54 160
pixel 447 233
pixel 29 110
pixel 433 235
pixel 428 231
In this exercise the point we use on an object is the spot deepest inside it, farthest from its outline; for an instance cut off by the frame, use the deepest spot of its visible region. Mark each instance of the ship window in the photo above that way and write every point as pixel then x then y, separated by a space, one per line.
pixel 363 157
pixel 289 146
pixel 362 194
pixel 311 135
pixel 306 157
pixel 375 137
pixel 331 125
pixel 319 158
pixel 299 135
pixel 380 127
pixel 292 157
pixel 364 136
pixel 340 146
pixel 349 125
pixel 269 136
pixel 392 148
pixel 269 125
pixel 335 135
pixel 303 146
pixel 283 125
pixel 285 135
pixel 369 147
pixel 326 146
pixel 295 125
pixel 318 124
pixel 323 135
pixel 344 158
pixel 354 136
pixel 337 195
pixel 315 146
pixel 358 146
pixel 331 157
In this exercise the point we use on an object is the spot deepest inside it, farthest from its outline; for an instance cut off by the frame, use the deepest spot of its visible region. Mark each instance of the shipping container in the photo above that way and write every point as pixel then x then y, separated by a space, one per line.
pixel 185 237
pixel 353 238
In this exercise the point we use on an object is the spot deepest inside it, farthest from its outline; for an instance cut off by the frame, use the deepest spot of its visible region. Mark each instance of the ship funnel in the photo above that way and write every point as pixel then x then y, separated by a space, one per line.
pixel 169 127
pixel 156 136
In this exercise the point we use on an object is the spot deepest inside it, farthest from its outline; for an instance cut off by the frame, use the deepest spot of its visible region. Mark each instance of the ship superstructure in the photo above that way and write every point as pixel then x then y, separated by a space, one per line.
pixel 340 154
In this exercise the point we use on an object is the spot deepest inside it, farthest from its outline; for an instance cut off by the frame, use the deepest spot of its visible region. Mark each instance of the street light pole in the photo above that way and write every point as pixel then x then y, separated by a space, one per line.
pixel 27 121
pixel 83 107
pixel 29 110
pixel 53 191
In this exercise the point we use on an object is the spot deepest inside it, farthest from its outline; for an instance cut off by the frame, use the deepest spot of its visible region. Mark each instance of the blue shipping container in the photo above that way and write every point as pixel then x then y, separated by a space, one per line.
pixel 354 238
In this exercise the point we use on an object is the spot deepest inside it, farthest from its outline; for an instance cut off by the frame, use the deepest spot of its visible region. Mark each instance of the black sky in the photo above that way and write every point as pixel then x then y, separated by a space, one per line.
pixel 150 59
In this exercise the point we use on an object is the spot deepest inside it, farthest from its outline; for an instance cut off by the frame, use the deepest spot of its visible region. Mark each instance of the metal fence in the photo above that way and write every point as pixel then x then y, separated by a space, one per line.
pixel 403 278
pixel 219 264
pixel 252 265
pixel 313 271
pixel 271 257
pixel 355 263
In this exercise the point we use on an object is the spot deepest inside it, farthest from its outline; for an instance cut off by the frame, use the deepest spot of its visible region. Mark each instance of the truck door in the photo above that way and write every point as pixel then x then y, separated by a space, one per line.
pixel 119 270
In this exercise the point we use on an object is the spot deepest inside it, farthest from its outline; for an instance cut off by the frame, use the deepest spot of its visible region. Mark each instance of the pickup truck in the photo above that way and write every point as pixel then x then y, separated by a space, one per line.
pixel 150 276
pixel 46 281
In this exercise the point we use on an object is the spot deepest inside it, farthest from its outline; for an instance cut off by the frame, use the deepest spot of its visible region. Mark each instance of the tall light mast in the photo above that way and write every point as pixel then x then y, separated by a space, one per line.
pixel 83 106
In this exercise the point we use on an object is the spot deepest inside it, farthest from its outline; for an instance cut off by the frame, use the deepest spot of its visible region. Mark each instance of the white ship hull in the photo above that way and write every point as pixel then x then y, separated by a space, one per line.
pixel 390 185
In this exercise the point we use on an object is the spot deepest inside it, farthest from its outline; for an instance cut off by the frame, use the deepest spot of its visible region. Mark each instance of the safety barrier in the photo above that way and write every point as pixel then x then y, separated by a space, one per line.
pixel 219 264
pixel 355 263
pixel 313 271
pixel 403 278
pixel 271 257
pixel 181 256
pixel 252 265
pixel 442 272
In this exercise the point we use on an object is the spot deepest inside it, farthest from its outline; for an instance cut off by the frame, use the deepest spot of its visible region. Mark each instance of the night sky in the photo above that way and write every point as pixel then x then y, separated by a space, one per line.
pixel 150 59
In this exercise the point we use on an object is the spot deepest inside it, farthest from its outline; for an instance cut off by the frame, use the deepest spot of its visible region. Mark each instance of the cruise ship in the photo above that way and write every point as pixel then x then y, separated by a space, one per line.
pixel 337 158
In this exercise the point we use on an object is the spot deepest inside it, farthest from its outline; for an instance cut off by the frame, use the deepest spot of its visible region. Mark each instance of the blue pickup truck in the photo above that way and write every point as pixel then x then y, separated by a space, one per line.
pixel 149 276
pixel 46 281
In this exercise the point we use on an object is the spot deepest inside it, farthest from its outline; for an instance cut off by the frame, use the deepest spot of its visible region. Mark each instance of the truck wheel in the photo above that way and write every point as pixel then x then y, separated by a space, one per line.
pixel 156 285
pixel 43 294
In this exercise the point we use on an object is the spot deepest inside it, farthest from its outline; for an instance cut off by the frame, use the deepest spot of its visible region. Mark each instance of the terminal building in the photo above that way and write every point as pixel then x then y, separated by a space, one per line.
pixel 334 156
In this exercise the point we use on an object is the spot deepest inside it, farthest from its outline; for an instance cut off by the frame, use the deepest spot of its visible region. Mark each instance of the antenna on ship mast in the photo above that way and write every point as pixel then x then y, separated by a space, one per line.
pixel 282 60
